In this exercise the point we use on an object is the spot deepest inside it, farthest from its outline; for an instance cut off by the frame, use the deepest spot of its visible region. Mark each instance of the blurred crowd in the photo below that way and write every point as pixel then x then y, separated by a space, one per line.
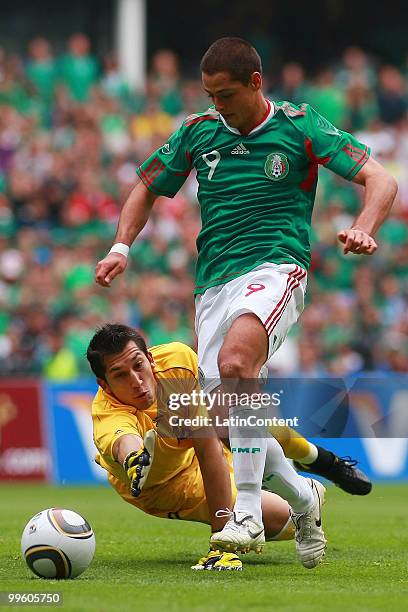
pixel 71 136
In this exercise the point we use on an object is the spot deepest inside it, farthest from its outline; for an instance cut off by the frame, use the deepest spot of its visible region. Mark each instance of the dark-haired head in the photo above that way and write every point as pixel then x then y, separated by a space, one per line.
pixel 111 339
pixel 122 365
pixel 232 77
pixel 235 56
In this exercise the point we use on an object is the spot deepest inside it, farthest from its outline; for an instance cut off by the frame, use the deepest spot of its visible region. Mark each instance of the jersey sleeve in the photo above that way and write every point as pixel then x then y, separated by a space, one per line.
pixel 337 150
pixel 111 426
pixel 166 170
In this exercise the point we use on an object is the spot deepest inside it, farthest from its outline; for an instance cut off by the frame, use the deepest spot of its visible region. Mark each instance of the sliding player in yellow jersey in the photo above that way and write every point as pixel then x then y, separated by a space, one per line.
pixel 188 479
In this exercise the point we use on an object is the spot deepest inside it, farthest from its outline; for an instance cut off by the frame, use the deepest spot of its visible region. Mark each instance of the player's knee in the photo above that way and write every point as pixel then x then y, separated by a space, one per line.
pixel 233 367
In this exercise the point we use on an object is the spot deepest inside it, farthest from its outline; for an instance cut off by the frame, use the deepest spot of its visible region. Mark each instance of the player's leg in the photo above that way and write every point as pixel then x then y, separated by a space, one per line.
pixel 276 299
pixel 306 516
pixel 240 359
pixel 342 471
pixel 211 317
pixel 274 294
pixel 281 478
pixel 276 518
pixel 238 350
pixel 309 457
pixel 278 525
pixel 293 444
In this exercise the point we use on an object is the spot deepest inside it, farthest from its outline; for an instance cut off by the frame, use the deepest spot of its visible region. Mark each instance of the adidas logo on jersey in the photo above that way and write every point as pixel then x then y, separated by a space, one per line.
pixel 240 150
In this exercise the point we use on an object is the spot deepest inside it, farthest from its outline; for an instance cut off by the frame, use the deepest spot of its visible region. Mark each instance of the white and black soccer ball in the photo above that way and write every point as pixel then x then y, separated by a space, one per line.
pixel 58 543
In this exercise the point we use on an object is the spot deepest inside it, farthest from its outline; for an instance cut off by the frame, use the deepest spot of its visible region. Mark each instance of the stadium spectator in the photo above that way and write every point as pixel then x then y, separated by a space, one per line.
pixel 79 69
pixel 356 69
pixel 59 362
pixel 328 99
pixel 293 84
pixel 392 95
pixel 164 81
pixel 112 83
pixel 42 69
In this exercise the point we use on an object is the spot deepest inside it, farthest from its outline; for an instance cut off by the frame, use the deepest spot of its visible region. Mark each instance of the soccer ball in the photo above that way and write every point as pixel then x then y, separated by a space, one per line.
pixel 58 543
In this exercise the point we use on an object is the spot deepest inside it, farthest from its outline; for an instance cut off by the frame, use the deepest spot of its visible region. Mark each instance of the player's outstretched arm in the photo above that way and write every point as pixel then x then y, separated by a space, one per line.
pixel 216 477
pixel 126 444
pixel 136 456
pixel 379 194
pixel 132 220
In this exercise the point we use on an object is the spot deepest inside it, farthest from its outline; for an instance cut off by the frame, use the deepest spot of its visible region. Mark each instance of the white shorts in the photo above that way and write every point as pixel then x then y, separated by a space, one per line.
pixel 273 292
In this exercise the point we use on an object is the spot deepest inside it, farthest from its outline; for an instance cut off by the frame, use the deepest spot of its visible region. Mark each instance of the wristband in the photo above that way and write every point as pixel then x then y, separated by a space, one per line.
pixel 121 248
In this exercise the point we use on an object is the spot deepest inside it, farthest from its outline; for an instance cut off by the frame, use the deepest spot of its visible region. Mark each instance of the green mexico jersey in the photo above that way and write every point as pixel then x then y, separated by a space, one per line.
pixel 257 191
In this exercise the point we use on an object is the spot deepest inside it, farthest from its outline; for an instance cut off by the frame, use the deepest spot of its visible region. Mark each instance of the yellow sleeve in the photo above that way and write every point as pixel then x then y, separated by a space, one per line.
pixel 112 425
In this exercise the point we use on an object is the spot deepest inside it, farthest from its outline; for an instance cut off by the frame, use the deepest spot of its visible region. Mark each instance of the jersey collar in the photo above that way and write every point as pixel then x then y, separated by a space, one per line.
pixel 268 115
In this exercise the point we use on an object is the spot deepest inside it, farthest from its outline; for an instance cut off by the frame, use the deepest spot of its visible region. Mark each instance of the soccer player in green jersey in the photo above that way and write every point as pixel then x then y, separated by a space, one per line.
pixel 257 165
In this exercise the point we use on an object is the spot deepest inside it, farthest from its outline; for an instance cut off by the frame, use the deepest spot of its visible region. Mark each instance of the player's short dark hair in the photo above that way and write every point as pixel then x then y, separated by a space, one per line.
pixel 110 340
pixel 233 55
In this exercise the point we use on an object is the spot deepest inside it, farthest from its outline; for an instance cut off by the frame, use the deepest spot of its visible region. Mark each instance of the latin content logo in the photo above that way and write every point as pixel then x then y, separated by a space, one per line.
pixel 276 166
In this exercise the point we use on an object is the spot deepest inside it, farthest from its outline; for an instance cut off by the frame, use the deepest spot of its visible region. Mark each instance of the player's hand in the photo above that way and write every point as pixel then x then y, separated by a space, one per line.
pixel 135 466
pixel 109 267
pixel 218 561
pixel 138 463
pixel 357 241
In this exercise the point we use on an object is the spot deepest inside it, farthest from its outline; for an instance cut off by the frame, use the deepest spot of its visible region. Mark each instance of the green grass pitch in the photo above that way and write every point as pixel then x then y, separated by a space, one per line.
pixel 143 563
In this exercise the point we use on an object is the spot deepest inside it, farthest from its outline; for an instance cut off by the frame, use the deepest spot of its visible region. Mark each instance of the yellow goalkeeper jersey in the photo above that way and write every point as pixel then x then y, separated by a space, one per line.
pixel 175 471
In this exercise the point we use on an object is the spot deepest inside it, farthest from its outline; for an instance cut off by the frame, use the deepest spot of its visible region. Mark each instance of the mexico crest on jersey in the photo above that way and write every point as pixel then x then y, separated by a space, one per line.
pixel 276 166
